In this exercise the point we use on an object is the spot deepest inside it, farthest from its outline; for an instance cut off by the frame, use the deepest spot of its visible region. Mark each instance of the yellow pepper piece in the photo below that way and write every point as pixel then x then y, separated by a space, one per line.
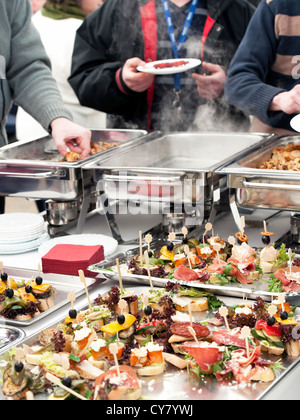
pixel 69 320
pixel 27 297
pixel 115 327
pixel 168 254
pixel 290 321
pixel 42 288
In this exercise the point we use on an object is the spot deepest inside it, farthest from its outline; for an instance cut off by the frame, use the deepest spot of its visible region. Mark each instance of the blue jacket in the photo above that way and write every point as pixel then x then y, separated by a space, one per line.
pixel 267 61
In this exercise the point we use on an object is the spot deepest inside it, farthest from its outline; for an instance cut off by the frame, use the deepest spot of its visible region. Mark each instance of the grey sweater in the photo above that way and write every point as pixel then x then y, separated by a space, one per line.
pixel 25 70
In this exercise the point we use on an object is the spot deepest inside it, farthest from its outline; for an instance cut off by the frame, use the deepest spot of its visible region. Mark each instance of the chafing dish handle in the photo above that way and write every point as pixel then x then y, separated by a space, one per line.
pixel 38 175
pixel 125 178
pixel 263 185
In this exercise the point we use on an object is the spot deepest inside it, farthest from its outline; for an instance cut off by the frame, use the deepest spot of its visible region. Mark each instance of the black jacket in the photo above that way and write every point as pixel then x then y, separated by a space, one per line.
pixel 114 33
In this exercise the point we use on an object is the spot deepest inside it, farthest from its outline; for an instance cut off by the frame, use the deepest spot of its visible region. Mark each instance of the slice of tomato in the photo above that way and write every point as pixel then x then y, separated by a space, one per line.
pixel 204 356
pixel 271 331
pixel 128 375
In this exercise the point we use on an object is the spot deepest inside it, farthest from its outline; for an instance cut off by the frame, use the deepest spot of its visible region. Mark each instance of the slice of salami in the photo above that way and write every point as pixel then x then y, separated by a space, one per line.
pixel 181 328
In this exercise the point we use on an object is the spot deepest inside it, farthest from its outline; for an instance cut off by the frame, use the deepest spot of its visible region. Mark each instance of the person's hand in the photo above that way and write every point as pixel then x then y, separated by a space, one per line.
pixel 136 81
pixel 211 86
pixel 288 102
pixel 68 134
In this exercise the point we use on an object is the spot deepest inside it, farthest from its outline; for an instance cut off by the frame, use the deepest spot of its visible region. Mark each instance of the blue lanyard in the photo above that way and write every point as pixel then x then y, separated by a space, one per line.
pixel 176 47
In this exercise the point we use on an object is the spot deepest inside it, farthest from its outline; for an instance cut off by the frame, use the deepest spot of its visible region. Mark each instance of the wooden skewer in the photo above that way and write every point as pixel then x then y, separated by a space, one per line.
pixel 224 313
pixel 148 269
pixel 57 382
pixel 141 247
pixel 148 239
pixel 192 331
pixel 290 254
pixel 190 313
pixel 72 298
pixel 119 274
pixel 246 333
pixel 83 280
pixel 113 348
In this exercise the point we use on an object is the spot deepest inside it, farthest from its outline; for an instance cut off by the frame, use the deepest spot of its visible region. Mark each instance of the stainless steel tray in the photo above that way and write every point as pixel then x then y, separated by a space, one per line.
pixel 107 269
pixel 169 174
pixel 261 188
pixel 10 336
pixel 35 169
pixel 177 385
pixel 62 284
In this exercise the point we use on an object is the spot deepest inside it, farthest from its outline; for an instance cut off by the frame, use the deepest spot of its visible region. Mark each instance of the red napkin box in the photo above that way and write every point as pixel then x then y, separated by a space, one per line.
pixel 69 259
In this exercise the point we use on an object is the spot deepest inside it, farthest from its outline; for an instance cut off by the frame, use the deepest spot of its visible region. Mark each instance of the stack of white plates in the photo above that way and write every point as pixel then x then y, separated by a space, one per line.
pixel 21 232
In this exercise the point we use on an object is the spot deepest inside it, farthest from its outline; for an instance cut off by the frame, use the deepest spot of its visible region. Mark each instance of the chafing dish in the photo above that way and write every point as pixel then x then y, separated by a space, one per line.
pixel 35 169
pixel 252 187
pixel 168 174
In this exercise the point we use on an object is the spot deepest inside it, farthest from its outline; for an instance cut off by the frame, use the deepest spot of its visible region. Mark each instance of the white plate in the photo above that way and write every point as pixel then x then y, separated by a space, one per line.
pixel 18 223
pixel 110 245
pixel 24 247
pixel 295 123
pixel 149 67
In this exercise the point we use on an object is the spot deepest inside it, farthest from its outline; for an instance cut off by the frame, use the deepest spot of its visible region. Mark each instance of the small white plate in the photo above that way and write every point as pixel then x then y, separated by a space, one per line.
pixel 190 63
pixel 23 248
pixel 110 245
pixel 295 123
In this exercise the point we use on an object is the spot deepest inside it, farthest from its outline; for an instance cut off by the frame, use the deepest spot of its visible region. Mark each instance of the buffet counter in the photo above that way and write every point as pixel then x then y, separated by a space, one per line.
pixel 289 384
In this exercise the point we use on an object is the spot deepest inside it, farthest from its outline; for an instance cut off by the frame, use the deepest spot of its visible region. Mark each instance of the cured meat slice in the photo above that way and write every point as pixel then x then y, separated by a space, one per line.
pixel 181 328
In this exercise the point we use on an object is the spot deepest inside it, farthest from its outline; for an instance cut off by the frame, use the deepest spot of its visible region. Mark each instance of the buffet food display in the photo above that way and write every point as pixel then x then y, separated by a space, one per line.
pixel 129 338
pixel 184 317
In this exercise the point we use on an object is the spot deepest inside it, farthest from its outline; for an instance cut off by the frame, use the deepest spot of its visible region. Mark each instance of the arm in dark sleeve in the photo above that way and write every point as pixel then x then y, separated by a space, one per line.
pixel 246 87
pixel 96 75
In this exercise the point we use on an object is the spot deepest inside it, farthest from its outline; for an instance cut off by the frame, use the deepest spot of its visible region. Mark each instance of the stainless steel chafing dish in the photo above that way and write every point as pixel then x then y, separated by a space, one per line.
pixel 251 187
pixel 170 173
pixel 35 169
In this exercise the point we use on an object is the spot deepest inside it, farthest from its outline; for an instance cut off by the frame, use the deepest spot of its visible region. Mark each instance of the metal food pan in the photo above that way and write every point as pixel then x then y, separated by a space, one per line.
pixel 36 170
pixel 264 188
pixel 62 284
pixel 108 270
pixel 171 168
pixel 174 384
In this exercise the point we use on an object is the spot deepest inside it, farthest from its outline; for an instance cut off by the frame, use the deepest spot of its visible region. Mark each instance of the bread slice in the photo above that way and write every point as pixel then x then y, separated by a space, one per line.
pixel 176 361
pixel 151 370
pixel 46 304
pixel 196 304
pixel 263 375
pixel 293 348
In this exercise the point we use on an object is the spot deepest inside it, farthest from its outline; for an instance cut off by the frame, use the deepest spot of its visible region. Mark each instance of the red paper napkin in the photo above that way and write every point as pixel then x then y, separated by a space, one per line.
pixel 69 259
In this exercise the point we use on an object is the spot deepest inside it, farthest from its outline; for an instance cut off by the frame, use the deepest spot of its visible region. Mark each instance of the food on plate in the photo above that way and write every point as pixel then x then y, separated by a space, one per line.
pixel 274 334
pixel 171 64
pixel 289 278
pixel 148 360
pixel 226 356
pixel 18 305
pixel 100 353
pixel 44 293
pixel 272 259
pixel 112 386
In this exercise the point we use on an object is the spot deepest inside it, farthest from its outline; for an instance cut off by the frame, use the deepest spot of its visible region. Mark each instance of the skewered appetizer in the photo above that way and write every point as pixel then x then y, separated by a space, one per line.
pixel 96 361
